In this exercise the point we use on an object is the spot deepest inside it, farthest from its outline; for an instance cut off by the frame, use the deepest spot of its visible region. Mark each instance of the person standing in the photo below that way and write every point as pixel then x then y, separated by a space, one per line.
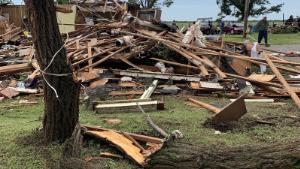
pixel 222 26
pixel 262 27
pixel 174 24
pixel 254 50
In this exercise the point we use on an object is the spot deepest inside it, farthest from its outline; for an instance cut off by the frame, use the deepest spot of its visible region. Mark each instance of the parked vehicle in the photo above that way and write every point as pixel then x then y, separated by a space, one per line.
pixel 234 28
pixel 207 26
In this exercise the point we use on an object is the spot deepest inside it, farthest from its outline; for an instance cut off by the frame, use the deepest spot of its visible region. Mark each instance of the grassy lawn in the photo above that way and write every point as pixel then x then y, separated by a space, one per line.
pixel 19 147
pixel 274 39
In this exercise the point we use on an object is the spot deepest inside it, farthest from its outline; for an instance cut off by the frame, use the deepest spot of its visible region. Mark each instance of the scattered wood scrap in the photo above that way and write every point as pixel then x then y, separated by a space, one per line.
pixel 127 143
pixel 231 112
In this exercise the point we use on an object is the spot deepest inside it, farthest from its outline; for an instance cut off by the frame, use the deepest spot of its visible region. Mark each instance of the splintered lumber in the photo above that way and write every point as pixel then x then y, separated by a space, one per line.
pixel 205 105
pixel 255 81
pixel 175 63
pixel 126 93
pixel 137 137
pixel 120 101
pixel 9 92
pixel 147 94
pixel 156 75
pixel 282 80
pixel 110 155
pixel 196 62
pixel 232 112
pixel 262 77
pixel 122 143
pixel 206 85
pixel 17 68
pixel 24 90
pixel 129 107
pixel 134 141
pixel 103 59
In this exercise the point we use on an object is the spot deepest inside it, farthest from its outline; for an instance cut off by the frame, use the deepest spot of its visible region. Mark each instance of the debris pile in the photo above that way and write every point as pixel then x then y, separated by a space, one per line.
pixel 117 57
pixel 124 56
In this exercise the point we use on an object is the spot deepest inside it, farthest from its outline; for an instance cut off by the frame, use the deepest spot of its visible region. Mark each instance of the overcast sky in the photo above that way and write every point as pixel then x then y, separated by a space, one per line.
pixel 189 10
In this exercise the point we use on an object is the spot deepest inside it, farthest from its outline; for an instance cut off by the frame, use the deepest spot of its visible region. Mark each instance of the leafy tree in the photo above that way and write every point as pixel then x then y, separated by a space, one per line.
pixel 5 1
pixel 152 3
pixel 257 7
pixel 62 1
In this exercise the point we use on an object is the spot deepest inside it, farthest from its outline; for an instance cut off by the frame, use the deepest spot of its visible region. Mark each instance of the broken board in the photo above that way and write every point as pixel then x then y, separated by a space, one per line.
pixel 129 106
pixel 122 143
pixel 232 112
pixel 262 77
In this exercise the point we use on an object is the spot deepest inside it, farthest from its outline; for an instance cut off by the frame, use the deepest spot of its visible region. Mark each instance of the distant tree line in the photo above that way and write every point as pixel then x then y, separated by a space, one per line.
pixel 62 1
pixel 5 2
pixel 256 8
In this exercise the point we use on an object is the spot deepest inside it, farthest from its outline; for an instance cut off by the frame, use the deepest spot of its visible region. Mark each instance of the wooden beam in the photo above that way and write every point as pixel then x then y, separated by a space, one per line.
pixel 157 75
pixel 282 80
pixel 17 68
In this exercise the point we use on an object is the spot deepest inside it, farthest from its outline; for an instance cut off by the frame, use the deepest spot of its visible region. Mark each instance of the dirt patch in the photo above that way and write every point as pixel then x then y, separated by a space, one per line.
pixel 246 124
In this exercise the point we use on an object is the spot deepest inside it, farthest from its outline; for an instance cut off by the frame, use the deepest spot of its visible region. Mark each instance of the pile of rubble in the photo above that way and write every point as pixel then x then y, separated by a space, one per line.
pixel 122 54
pixel 123 57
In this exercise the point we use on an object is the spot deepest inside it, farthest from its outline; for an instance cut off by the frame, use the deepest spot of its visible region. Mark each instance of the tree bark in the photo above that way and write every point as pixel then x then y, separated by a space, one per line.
pixel 60 114
pixel 186 156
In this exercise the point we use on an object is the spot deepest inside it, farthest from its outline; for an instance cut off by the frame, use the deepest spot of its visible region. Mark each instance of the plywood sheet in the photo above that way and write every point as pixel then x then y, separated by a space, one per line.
pixel 262 77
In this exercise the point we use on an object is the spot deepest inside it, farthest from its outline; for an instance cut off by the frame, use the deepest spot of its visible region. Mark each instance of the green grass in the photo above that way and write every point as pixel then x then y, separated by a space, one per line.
pixel 17 126
pixel 274 39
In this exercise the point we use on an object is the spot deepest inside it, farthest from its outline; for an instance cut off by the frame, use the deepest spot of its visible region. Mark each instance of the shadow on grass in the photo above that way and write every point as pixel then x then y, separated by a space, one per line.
pixel 34 141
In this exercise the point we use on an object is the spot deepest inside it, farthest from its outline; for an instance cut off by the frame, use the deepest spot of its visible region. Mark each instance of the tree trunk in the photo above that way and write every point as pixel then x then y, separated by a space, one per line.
pixel 185 156
pixel 60 114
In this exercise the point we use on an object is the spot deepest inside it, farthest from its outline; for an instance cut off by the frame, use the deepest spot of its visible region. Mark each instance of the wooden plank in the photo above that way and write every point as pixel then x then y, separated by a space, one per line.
pixel 210 85
pixel 17 68
pixel 262 77
pixel 129 107
pixel 256 100
pixel 205 105
pixel 176 77
pixel 120 101
pixel 147 94
pixel 9 92
pixel 24 90
pixel 134 141
pixel 125 93
pixel 122 143
pixel 137 137
pixel 282 80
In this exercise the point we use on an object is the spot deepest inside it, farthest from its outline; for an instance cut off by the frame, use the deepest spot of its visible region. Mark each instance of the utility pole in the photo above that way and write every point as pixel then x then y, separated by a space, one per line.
pixel 246 15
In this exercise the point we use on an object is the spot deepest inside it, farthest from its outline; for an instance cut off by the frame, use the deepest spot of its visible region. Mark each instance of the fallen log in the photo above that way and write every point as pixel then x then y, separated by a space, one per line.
pixel 188 156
